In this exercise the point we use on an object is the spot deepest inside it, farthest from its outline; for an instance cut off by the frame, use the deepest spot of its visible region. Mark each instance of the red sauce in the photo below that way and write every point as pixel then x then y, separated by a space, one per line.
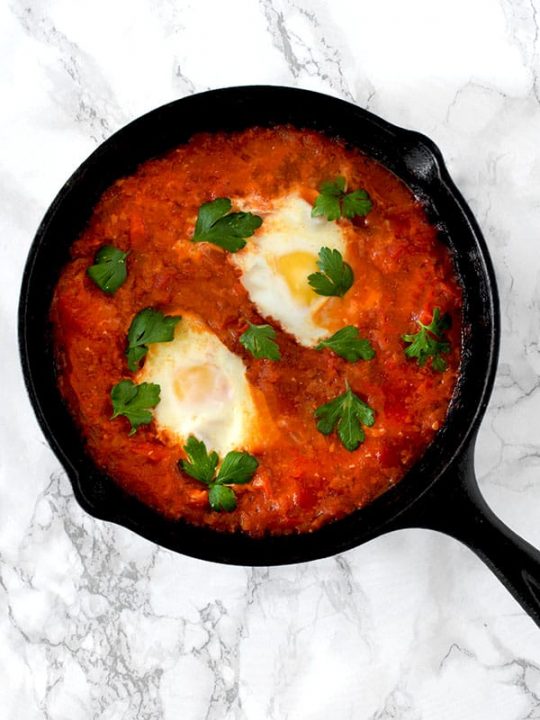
pixel 402 272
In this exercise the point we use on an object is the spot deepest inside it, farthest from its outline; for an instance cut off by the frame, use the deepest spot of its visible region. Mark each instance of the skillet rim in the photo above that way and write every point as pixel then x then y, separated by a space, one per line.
pixel 103 499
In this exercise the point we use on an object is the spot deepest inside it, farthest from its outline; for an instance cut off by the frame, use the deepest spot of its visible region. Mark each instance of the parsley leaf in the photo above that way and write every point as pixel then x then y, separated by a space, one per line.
pixel 348 344
pixel 221 498
pixel 109 268
pixel 333 202
pixel 134 402
pixel 327 202
pixel 349 413
pixel 217 225
pixel 199 465
pixel 333 187
pixel 336 276
pixel 429 342
pixel 237 468
pixel 148 326
pixel 356 204
pixel 259 340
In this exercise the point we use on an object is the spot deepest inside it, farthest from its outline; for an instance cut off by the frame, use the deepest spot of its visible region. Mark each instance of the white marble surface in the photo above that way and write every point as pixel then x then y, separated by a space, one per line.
pixel 98 623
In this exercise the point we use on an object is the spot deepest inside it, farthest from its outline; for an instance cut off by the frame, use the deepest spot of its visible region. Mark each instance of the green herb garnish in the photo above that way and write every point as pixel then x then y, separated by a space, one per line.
pixel 200 464
pixel 336 276
pixel 109 269
pixel 348 344
pixel 217 225
pixel 334 202
pixel 429 342
pixel 134 402
pixel 237 468
pixel 148 326
pixel 260 341
pixel 349 413
pixel 221 498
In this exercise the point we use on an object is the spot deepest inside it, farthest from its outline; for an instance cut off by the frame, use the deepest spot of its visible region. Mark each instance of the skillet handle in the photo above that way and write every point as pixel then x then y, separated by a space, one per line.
pixel 455 506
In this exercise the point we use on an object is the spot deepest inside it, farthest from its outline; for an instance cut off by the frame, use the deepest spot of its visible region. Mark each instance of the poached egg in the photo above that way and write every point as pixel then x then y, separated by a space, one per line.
pixel 276 262
pixel 204 390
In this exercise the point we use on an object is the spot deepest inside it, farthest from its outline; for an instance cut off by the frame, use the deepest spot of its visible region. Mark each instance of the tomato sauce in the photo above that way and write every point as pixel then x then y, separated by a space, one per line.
pixel 402 271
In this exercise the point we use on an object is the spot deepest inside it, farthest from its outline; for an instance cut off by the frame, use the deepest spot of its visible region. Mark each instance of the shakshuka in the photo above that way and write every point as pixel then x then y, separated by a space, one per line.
pixel 259 331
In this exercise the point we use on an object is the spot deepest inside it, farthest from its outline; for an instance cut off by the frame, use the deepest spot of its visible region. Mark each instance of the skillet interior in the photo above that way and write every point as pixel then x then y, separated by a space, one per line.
pixel 412 157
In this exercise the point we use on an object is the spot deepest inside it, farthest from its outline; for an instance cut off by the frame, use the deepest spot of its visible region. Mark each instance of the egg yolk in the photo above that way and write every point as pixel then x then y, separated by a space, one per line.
pixel 294 268
pixel 201 383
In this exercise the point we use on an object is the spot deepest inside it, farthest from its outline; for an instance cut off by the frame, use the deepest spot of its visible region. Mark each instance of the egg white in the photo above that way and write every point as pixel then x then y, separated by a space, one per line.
pixel 276 262
pixel 204 389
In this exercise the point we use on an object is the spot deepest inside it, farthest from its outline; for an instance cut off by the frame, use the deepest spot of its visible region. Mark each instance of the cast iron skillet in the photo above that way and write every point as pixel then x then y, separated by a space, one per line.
pixel 440 492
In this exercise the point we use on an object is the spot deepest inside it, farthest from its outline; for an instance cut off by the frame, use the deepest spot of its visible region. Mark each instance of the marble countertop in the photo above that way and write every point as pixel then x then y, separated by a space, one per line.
pixel 95 622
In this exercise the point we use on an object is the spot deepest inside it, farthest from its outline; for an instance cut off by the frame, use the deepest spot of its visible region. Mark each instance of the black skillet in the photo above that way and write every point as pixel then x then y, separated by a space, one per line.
pixel 440 492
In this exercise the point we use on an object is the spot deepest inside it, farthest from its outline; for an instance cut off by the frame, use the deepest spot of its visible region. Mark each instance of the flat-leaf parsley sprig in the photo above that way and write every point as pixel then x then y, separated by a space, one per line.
pixel 429 342
pixel 348 344
pixel 237 468
pixel 134 402
pixel 348 413
pixel 218 225
pixel 335 276
pixel 334 202
pixel 109 270
pixel 259 340
pixel 147 327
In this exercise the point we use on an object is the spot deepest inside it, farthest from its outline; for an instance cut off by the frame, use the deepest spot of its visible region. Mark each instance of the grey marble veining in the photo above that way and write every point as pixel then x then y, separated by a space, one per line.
pixel 96 623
